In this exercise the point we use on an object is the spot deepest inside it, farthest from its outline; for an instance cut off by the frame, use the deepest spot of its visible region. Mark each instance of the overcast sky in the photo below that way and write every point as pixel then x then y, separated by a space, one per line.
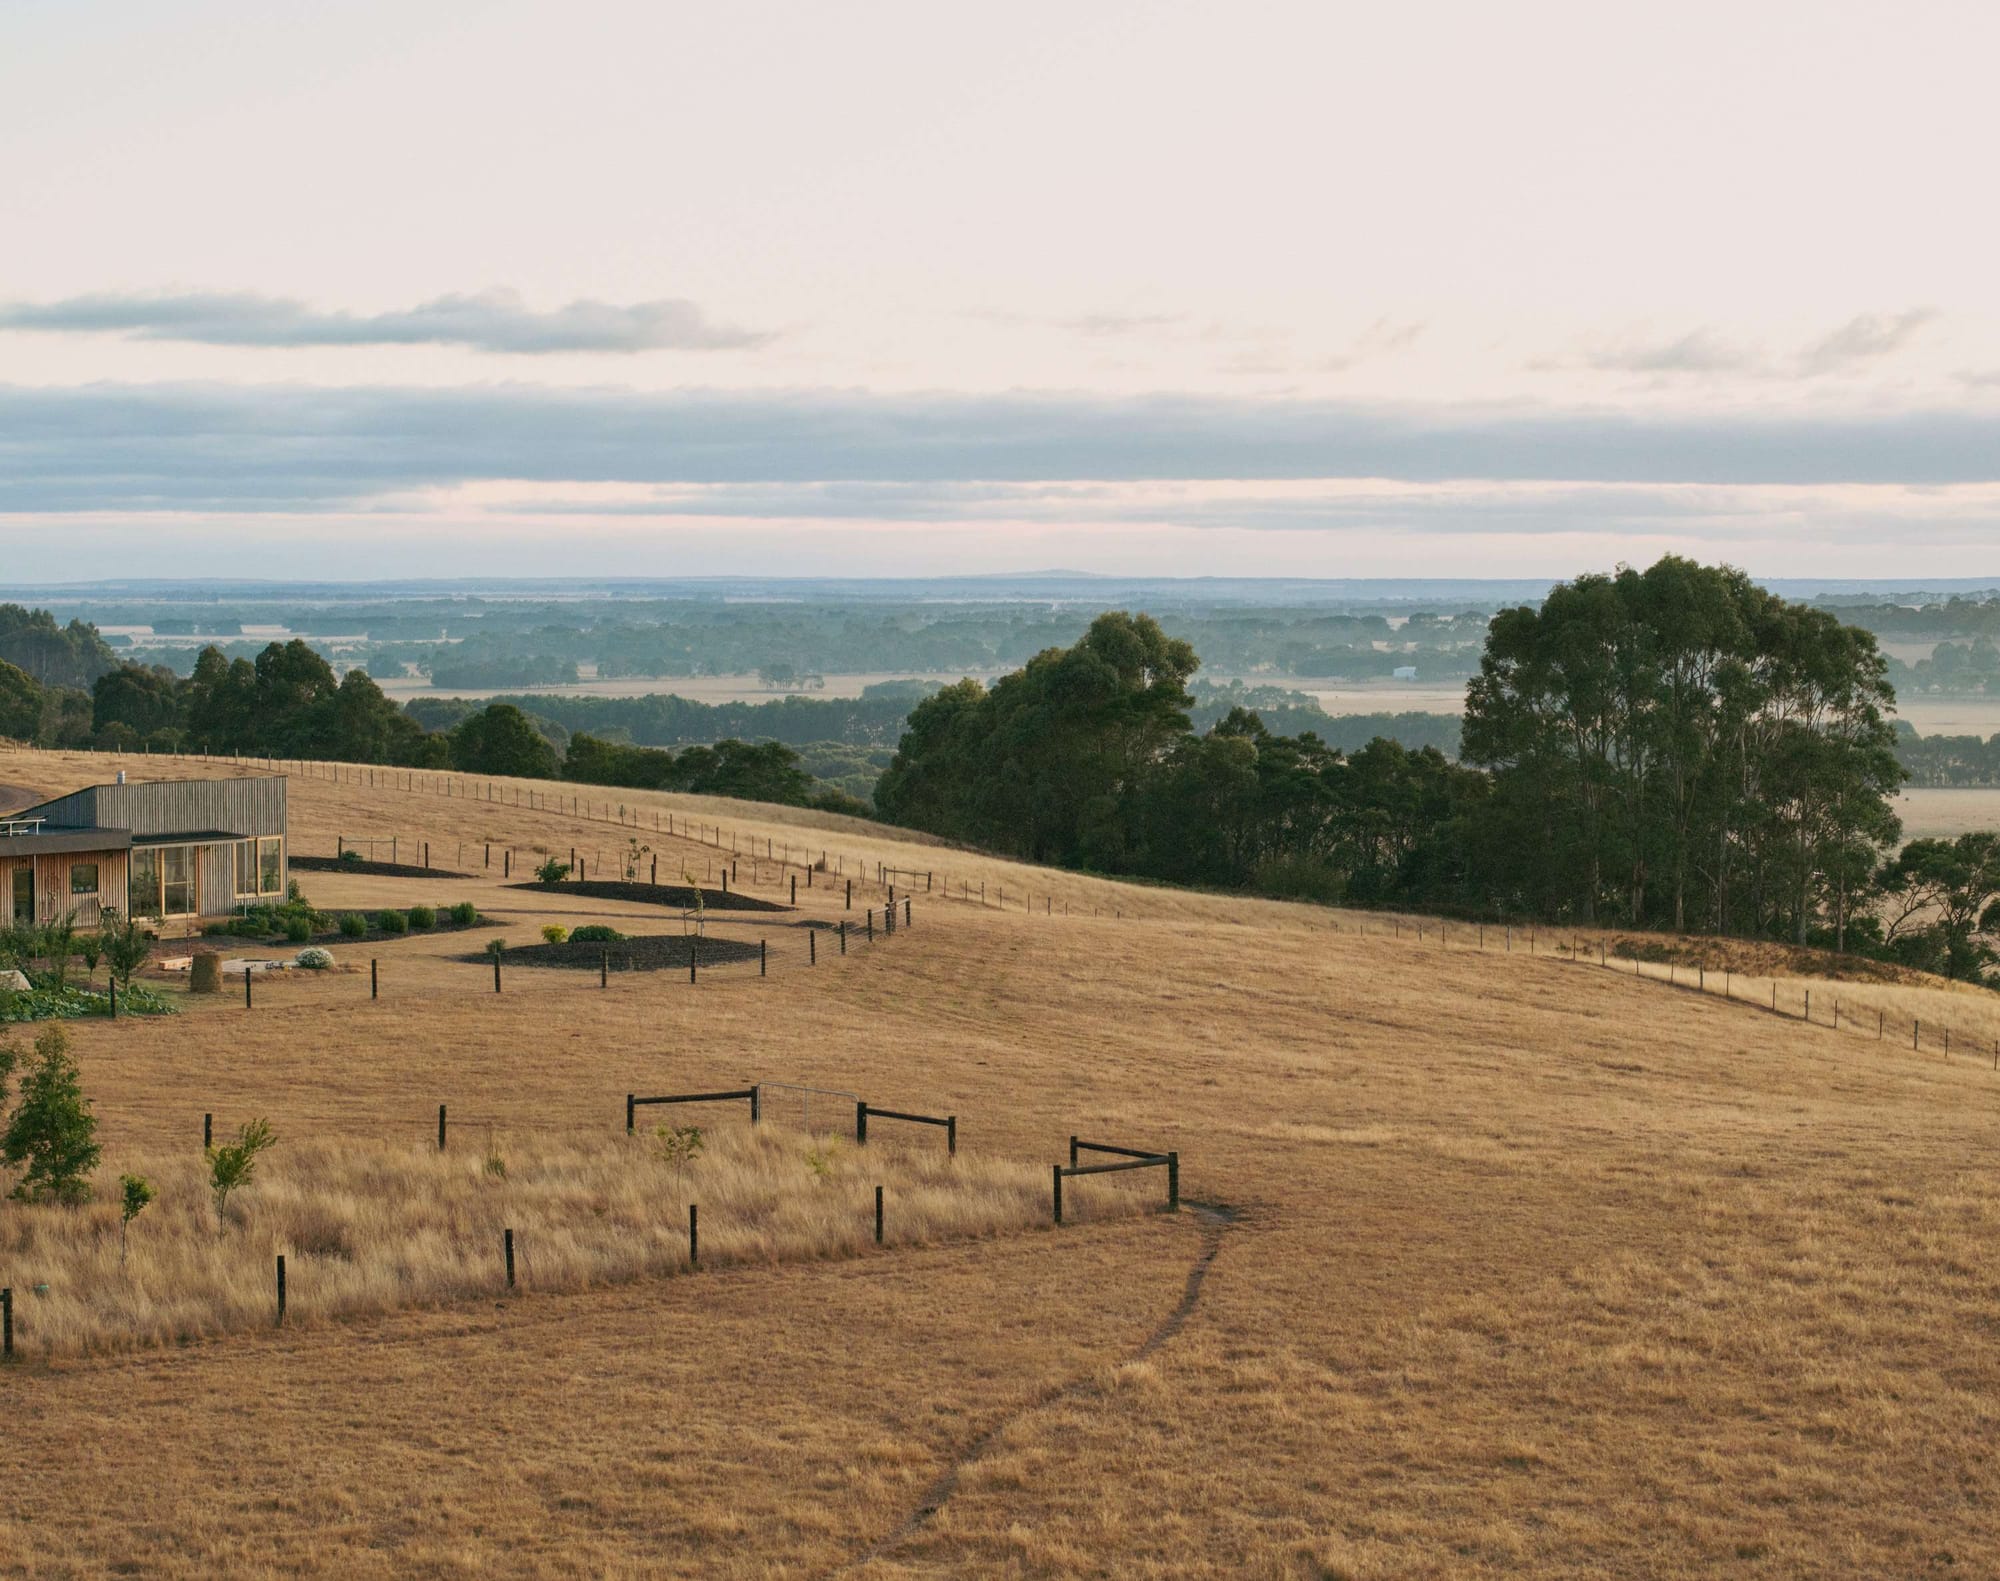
pixel 1290 289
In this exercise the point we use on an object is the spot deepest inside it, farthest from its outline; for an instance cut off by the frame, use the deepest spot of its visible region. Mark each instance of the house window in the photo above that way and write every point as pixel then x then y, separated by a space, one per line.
pixel 144 882
pixel 260 867
pixel 163 882
pixel 83 878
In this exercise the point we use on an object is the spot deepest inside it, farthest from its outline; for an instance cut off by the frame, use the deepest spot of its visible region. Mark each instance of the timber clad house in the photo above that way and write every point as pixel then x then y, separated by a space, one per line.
pixel 167 850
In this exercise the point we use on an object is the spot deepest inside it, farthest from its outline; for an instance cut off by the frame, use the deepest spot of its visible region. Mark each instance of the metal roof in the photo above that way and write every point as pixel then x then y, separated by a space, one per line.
pixel 52 841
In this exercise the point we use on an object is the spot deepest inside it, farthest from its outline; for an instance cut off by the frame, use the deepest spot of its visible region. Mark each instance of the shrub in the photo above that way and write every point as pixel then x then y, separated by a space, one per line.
pixel 555 932
pixel 298 929
pixel 125 947
pixel 205 973
pixel 53 1131
pixel 350 856
pixel 496 948
pixel 353 925
pixel 392 921
pixel 315 959
pixel 595 933
pixel 465 914
pixel 215 930
pixel 136 1192
pixel 552 871
pixel 232 1164
pixel 423 917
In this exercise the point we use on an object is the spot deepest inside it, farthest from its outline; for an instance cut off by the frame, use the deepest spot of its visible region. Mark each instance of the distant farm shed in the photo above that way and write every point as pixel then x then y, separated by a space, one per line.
pixel 162 849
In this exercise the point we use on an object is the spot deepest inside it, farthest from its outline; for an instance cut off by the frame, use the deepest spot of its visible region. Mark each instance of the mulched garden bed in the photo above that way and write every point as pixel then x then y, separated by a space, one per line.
pixel 654 952
pixel 335 864
pixel 679 896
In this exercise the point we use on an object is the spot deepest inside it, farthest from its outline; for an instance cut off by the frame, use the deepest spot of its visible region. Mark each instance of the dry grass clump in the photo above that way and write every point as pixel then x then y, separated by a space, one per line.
pixel 366 1229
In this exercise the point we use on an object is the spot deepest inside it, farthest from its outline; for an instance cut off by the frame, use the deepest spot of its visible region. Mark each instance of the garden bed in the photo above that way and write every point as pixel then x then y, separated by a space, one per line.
pixel 678 896
pixel 342 864
pixel 77 1001
pixel 655 952
pixel 374 933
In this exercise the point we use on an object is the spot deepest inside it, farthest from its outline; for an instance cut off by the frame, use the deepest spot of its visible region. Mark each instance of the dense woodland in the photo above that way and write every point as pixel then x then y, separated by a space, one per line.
pixel 1669 748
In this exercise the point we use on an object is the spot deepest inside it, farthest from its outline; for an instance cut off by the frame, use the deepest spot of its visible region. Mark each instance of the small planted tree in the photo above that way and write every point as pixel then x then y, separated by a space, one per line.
pixel 635 855
pixel 137 1192
pixel 125 946
pixel 554 932
pixel 52 1131
pixel 90 946
pixel 678 1146
pixel 552 871
pixel 59 948
pixel 234 1163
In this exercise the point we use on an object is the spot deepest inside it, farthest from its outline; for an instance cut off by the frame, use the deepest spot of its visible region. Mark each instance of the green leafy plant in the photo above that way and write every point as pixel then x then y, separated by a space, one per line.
pixel 126 946
pixel 353 925
pixel 90 946
pixel 232 1165
pixel 58 947
pixel 554 932
pixel 552 871
pixel 348 855
pixel 392 921
pixel 595 933
pixel 135 1193
pixel 465 914
pixel 53 1131
pixel 422 917
pixel 298 929
pixel 496 948
pixel 315 959
pixel 820 1159
pixel 678 1146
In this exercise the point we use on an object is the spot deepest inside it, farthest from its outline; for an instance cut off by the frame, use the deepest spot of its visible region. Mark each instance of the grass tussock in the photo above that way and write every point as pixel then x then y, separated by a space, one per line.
pixel 367 1229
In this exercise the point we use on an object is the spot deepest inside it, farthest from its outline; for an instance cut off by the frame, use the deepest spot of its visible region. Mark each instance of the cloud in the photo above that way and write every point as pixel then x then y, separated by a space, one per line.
pixel 1118 323
pixel 1697 351
pixel 233 447
pixel 489 321
pixel 1866 338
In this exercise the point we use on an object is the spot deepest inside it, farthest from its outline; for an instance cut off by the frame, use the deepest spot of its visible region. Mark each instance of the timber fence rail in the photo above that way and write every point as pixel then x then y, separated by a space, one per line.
pixel 1128 1158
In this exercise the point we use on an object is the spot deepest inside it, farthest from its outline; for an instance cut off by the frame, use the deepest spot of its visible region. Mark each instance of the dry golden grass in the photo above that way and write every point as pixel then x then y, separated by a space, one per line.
pixel 1539 1271
pixel 368 1228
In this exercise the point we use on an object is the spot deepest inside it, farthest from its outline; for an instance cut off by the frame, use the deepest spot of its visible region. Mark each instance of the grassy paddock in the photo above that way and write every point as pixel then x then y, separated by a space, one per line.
pixel 367 1229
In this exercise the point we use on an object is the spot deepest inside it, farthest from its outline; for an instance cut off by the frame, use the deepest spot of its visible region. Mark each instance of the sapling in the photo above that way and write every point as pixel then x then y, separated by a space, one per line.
pixel 52 1131
pixel 552 871
pixel 554 932
pixel 678 1145
pixel 634 852
pixel 234 1163
pixel 137 1192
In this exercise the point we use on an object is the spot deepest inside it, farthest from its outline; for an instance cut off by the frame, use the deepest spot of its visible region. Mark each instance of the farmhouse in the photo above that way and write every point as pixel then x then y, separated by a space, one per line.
pixel 162 849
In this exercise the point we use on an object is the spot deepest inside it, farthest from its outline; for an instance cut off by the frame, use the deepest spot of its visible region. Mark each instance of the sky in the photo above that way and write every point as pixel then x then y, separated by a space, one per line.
pixel 1318 289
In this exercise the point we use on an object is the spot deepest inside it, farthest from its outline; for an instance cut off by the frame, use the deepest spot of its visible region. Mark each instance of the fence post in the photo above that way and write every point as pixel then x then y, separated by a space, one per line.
pixel 630 1104
pixel 694 1235
pixel 1055 1173
pixel 604 968
pixel 1072 1152
pixel 812 947
pixel 207 1132
pixel 795 889
pixel 114 999
pixel 509 1235
pixel 763 957
pixel 440 1128
pixel 507 864
pixel 246 985
pixel 843 938
pixel 951 1135
pixel 6 1324
pixel 878 1215
pixel 753 1105
pixel 281 1287
pixel 496 974
pixel 374 978
pixel 1916 1033
pixel 860 1124
pixel 1173 1182
pixel 850 895
pixel 871 924
pixel 906 912
pixel 694 950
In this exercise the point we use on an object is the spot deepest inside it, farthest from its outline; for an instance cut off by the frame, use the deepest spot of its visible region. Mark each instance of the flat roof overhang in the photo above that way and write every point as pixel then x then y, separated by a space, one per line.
pixel 192 837
pixel 52 842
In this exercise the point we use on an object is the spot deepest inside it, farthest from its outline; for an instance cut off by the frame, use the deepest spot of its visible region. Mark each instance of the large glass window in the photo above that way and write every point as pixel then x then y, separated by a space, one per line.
pixel 145 882
pixel 270 865
pixel 246 869
pixel 83 878
pixel 177 881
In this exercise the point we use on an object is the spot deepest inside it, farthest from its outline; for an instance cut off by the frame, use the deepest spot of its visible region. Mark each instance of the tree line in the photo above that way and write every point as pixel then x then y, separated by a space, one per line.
pixel 1668 748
